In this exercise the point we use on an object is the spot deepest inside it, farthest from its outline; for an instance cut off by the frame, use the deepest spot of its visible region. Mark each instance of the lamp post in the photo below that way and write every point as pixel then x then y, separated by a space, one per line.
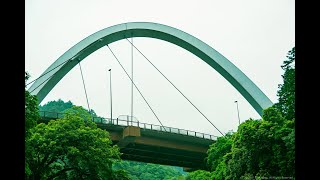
pixel 238 111
pixel 110 95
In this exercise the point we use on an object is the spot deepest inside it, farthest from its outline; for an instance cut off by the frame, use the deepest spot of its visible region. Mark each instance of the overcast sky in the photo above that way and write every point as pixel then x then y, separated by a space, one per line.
pixel 255 35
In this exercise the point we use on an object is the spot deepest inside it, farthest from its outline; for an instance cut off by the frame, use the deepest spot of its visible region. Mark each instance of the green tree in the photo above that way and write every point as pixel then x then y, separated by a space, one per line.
pixel 61 106
pixel 217 150
pixel 199 175
pixel 121 169
pixel 144 171
pixel 286 105
pixel 31 117
pixel 289 160
pixel 120 175
pixel 252 149
pixel 283 146
pixel 261 148
pixel 78 111
pixel 56 106
pixel 181 177
pixel 286 92
pixel 70 148
pixel 31 109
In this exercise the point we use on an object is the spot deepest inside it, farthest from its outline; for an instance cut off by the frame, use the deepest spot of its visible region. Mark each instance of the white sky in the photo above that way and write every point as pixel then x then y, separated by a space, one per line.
pixel 255 35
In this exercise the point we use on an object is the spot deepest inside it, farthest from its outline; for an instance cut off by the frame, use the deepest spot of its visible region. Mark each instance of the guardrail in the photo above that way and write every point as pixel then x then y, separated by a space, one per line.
pixel 120 122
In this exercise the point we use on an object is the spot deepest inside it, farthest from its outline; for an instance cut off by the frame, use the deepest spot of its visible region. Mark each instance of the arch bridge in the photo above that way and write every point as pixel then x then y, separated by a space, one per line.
pixel 56 71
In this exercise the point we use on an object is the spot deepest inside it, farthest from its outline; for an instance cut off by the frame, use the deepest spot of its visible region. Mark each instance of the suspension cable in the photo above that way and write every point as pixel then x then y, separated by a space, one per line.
pixel 174 86
pixel 45 74
pixel 54 74
pixel 85 91
pixel 48 72
pixel 42 83
pixel 136 88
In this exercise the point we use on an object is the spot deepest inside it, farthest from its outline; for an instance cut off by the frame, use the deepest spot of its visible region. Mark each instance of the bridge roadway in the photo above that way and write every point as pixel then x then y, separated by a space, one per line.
pixel 150 143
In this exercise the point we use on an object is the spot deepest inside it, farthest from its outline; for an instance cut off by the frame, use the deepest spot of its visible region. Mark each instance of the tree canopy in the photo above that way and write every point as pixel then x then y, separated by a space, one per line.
pixel 286 92
pixel 263 148
pixel 147 171
pixel 64 167
pixel 61 106
pixel 31 109
pixel 70 148
pixel 56 106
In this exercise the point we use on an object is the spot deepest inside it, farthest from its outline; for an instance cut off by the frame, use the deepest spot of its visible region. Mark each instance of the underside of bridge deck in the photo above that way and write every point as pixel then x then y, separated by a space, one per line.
pixel 159 147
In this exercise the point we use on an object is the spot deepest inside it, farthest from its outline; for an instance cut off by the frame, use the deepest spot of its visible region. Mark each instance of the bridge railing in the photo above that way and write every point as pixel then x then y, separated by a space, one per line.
pixel 121 122
pixel 48 114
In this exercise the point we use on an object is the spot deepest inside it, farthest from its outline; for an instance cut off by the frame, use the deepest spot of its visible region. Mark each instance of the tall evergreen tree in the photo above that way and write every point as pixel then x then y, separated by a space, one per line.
pixel 286 92
pixel 31 109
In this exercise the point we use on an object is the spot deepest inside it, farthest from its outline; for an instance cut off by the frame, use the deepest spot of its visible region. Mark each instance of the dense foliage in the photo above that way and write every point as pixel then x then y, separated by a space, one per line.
pixel 147 171
pixel 286 92
pixel 198 175
pixel 218 154
pixel 31 109
pixel 260 149
pixel 70 148
pixel 31 117
pixel 61 106
pixel 62 169
pixel 56 106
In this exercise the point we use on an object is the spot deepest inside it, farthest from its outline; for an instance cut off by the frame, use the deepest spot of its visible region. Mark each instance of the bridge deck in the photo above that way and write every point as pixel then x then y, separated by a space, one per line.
pixel 153 143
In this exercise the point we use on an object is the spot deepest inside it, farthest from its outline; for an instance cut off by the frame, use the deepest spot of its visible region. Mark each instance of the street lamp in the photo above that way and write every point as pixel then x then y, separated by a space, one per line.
pixel 110 95
pixel 238 111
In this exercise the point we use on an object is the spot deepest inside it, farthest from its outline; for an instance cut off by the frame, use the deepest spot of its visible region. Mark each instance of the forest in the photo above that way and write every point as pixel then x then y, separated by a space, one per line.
pixel 73 148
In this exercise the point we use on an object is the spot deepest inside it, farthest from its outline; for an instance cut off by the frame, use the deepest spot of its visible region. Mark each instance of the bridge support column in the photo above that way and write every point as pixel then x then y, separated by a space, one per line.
pixel 129 134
